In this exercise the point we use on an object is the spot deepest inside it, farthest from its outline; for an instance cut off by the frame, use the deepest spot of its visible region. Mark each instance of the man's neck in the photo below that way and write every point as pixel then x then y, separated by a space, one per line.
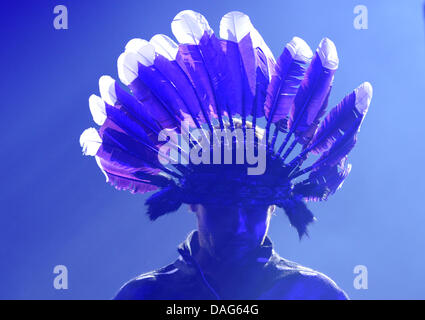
pixel 214 262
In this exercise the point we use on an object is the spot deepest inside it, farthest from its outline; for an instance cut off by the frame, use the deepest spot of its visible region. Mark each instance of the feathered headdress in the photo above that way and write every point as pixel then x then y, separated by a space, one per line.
pixel 224 82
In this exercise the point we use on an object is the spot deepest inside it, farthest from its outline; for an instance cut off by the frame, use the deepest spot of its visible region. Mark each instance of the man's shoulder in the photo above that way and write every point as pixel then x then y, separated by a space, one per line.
pixel 301 282
pixel 145 286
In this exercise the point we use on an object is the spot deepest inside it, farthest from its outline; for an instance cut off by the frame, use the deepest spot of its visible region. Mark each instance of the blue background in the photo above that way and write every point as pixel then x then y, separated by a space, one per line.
pixel 57 209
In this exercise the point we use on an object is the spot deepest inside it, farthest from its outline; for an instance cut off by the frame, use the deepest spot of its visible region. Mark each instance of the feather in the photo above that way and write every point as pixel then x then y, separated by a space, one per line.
pixel 342 146
pixel 124 151
pixel 299 215
pixel 160 85
pixel 331 176
pixel 323 182
pixel 166 200
pixel 311 191
pixel 339 150
pixel 124 179
pixel 189 28
pixel 132 179
pixel 308 133
pixel 165 46
pixel 128 72
pixel 345 116
pixel 128 126
pixel 124 140
pixel 262 82
pixel 216 66
pixel 258 42
pixel 97 109
pixel 121 131
pixel 165 62
pixel 310 101
pixel 90 141
pixel 108 145
pixel 235 79
pixel 342 118
pixel 290 69
pixel 130 112
pixel 264 69
pixel 115 96
pixel 236 27
pixel 338 133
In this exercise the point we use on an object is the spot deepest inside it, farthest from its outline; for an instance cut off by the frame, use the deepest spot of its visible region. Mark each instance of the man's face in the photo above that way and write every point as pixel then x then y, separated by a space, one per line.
pixel 233 230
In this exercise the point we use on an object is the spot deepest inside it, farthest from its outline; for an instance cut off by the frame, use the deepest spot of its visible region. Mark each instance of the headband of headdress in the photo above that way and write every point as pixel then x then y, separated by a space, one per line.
pixel 211 82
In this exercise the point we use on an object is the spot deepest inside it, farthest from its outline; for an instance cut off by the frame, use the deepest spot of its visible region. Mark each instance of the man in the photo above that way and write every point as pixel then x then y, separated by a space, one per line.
pixel 207 83
pixel 230 256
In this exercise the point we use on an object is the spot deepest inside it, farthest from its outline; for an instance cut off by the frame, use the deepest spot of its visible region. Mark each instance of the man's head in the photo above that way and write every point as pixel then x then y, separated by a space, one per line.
pixel 232 230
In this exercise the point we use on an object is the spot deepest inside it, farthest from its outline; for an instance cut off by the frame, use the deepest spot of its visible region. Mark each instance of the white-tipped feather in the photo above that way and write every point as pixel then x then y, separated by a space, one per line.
pixel 165 46
pixel 101 168
pixel 299 49
pixel 107 90
pixel 97 109
pixel 143 49
pixel 90 141
pixel 258 42
pixel 136 42
pixel 234 26
pixel 363 97
pixel 189 26
pixel 127 67
pixel 328 54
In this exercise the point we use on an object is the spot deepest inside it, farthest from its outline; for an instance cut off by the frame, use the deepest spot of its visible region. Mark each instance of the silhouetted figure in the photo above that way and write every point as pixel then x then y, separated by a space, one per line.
pixel 230 256
pixel 205 84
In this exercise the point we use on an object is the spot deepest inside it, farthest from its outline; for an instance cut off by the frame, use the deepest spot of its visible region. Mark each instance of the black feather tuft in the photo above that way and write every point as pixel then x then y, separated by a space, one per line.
pixel 299 215
pixel 311 191
pixel 164 201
